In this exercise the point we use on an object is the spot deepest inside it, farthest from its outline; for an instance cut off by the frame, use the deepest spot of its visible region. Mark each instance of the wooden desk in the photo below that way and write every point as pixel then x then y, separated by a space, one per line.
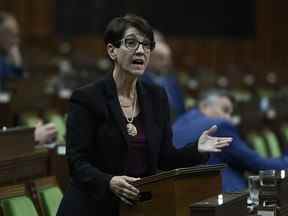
pixel 222 204
pixel 170 193
pixel 6 115
pixel 59 166
pixel 16 141
pixel 24 167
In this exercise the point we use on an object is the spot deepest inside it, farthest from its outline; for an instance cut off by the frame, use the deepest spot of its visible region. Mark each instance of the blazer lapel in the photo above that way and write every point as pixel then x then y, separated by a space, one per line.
pixel 114 106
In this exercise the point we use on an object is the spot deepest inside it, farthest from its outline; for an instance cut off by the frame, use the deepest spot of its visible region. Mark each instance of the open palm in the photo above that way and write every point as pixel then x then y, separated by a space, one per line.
pixel 208 143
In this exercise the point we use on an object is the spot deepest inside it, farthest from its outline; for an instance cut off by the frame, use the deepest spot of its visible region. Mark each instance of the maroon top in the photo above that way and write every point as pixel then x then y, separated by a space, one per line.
pixel 136 165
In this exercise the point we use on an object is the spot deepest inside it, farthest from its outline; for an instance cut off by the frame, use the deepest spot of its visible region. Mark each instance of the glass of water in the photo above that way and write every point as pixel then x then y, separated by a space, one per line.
pixel 254 188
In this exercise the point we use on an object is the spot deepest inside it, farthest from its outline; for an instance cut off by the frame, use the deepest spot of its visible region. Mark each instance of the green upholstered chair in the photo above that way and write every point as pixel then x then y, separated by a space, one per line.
pixel 49 195
pixel 284 131
pixel 30 119
pixel 18 206
pixel 51 198
pixel 258 144
pixel 15 201
pixel 273 143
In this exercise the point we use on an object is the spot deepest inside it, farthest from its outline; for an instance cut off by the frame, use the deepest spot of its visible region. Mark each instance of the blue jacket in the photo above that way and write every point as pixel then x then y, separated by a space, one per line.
pixel 238 156
pixel 9 70
pixel 173 90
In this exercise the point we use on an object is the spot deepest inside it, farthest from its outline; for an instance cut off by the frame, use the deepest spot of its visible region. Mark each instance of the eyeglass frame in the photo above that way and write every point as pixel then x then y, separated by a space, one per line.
pixel 152 44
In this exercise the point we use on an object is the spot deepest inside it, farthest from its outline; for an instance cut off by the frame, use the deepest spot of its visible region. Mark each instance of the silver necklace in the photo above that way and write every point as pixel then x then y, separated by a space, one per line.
pixel 131 128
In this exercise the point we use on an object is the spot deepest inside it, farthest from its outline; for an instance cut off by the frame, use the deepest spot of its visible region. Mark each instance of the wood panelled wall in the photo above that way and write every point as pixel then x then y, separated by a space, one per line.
pixel 268 48
pixel 37 19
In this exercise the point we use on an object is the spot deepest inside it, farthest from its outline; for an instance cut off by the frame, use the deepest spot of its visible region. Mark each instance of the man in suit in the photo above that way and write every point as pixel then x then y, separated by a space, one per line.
pixel 10 57
pixel 160 71
pixel 11 67
pixel 215 108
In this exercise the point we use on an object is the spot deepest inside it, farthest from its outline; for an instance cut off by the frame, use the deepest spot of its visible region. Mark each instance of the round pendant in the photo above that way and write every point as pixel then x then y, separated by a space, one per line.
pixel 131 129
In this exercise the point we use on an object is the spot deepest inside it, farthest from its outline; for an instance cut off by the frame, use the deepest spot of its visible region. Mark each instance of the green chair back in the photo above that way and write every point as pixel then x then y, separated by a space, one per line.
pixel 30 119
pixel 51 198
pixel 284 131
pixel 258 143
pixel 273 144
pixel 18 206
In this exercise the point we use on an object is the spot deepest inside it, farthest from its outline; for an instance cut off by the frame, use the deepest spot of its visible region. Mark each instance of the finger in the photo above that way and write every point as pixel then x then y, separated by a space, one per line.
pixel 130 187
pixel 50 126
pixel 131 179
pixel 222 145
pixel 222 142
pixel 215 150
pixel 211 130
pixel 123 199
pixel 219 139
pixel 51 133
pixel 228 142
pixel 129 194
pixel 51 130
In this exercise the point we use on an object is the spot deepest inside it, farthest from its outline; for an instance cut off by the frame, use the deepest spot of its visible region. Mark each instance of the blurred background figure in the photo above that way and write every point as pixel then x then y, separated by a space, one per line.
pixel 10 57
pixel 67 77
pixel 215 108
pixel 160 71
pixel 11 67
pixel 74 69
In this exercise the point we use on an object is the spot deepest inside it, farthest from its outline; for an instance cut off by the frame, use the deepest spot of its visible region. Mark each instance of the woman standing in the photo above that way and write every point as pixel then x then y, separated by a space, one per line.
pixel 118 128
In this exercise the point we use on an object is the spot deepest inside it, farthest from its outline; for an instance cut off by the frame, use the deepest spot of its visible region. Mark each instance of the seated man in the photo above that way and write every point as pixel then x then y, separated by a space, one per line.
pixel 11 66
pixel 215 108
pixel 10 57
pixel 160 71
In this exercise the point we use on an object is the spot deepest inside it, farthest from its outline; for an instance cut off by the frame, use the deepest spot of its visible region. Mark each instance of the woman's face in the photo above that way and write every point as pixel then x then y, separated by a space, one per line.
pixel 134 52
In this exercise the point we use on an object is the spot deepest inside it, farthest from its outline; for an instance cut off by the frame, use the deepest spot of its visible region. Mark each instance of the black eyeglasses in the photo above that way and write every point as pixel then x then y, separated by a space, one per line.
pixel 134 43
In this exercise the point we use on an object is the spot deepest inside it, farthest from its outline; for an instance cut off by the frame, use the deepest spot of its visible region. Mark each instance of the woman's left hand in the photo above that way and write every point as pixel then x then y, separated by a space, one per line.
pixel 208 143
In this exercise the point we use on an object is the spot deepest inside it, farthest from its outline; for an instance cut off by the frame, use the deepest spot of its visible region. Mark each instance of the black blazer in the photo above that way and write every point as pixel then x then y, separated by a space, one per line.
pixel 97 143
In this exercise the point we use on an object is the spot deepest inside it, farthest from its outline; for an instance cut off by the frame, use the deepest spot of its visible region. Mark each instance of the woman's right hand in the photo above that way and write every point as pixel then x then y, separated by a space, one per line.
pixel 121 187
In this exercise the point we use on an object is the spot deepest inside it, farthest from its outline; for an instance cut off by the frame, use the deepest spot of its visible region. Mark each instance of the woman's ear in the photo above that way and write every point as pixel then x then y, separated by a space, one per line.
pixel 111 51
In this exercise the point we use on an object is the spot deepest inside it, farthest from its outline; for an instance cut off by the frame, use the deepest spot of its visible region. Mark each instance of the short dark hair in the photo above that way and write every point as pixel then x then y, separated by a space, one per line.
pixel 116 28
pixel 208 95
